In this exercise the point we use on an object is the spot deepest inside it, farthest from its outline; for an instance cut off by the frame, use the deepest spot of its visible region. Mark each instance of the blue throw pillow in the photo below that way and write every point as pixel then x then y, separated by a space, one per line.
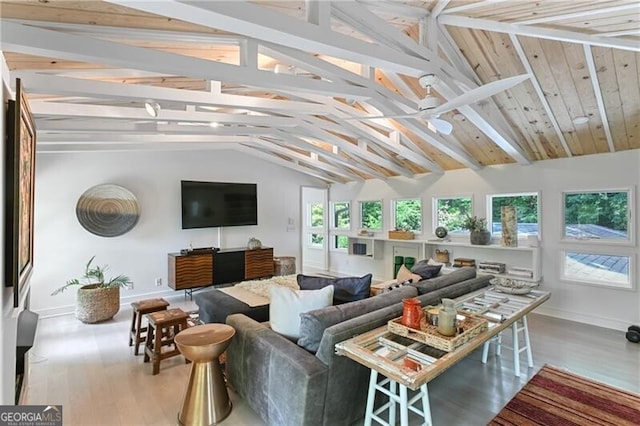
pixel 346 289
pixel 425 270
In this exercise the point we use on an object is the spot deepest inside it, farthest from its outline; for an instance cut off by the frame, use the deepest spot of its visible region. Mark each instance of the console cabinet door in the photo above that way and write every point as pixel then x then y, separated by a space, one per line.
pixel 258 263
pixel 190 271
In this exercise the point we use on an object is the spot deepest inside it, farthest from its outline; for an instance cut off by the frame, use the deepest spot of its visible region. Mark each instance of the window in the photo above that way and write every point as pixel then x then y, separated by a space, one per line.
pixel 316 213
pixel 527 212
pixel 371 215
pixel 341 215
pixel 451 213
pixel 601 215
pixel 316 240
pixel 341 242
pixel 593 268
pixel 408 214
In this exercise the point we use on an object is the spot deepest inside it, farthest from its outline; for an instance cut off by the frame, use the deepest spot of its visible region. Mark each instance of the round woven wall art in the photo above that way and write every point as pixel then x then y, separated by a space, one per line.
pixel 107 210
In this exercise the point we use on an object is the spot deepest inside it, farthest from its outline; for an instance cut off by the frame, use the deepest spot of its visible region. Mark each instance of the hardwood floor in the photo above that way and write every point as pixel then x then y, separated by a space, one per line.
pixel 92 372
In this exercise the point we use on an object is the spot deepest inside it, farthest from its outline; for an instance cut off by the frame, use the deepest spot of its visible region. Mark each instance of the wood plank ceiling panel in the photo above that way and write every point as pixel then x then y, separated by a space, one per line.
pixel 627 65
pixel 605 22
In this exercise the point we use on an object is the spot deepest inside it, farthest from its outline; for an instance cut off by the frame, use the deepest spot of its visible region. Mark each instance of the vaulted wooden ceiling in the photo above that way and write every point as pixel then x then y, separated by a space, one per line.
pixel 284 80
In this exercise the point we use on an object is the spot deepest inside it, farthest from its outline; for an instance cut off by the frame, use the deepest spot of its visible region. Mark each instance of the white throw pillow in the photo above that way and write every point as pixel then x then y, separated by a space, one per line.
pixel 287 305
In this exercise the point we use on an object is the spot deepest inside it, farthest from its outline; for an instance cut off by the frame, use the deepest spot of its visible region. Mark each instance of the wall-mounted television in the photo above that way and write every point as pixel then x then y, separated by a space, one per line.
pixel 216 204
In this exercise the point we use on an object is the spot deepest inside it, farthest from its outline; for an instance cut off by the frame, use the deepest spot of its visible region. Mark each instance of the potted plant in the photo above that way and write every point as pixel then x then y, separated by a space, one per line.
pixel 479 233
pixel 98 299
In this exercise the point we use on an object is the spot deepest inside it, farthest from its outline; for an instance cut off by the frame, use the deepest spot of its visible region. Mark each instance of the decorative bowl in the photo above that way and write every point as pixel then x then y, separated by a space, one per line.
pixel 511 286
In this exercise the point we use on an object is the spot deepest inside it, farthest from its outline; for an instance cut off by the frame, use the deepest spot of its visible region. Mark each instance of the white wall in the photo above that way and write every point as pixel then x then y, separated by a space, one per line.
pixel 601 306
pixel 63 246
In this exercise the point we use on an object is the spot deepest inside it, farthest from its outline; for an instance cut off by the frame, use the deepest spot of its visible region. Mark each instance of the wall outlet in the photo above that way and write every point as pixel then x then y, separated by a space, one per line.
pixel 158 282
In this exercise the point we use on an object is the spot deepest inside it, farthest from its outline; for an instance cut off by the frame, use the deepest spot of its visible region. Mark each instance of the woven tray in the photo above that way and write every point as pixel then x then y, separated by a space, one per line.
pixel 401 235
pixel 471 326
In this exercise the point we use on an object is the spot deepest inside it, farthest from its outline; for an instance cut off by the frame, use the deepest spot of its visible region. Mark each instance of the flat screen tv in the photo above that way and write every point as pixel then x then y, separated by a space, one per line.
pixel 216 204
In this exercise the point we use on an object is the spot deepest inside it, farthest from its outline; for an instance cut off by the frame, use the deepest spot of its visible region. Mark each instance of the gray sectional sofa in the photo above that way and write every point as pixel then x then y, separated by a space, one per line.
pixel 292 383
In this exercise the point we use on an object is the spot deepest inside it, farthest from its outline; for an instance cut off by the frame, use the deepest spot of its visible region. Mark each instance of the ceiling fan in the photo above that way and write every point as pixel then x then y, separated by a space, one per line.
pixel 430 108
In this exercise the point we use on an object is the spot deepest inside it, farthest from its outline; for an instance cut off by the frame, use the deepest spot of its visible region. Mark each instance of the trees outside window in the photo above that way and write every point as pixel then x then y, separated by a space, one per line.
pixel 452 212
pixel 341 214
pixel 317 215
pixel 602 215
pixel 408 214
pixel 527 212
pixel 371 215
pixel 342 242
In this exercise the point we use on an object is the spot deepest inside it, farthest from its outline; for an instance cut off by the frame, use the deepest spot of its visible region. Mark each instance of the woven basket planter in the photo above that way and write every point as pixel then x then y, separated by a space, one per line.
pixel 96 304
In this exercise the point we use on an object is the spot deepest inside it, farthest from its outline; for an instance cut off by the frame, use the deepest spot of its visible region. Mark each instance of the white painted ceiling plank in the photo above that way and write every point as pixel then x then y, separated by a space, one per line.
pixel 318 13
pixel 545 33
pixel 591 66
pixel 123 139
pixel 97 126
pixel 261 23
pixel 58 149
pixel 439 7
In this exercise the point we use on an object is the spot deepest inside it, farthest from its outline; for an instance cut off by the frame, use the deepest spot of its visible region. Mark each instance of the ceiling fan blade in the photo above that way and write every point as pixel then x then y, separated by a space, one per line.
pixel 441 126
pixel 480 93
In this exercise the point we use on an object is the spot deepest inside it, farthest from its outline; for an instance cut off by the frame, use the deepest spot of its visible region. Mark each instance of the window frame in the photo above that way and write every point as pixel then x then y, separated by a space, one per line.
pixel 434 209
pixel 631 286
pixel 310 216
pixel 489 216
pixel 310 243
pixel 580 241
pixel 332 224
pixel 334 238
pixel 394 211
pixel 381 215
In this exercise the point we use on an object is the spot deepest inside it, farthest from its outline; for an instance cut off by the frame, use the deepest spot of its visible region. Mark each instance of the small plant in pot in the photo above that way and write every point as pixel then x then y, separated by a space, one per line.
pixel 98 298
pixel 479 234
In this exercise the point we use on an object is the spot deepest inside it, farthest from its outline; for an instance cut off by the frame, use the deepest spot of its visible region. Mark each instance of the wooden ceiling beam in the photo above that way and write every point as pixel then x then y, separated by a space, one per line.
pixel 55 85
pixel 541 96
pixel 580 14
pixel 261 23
pixel 471 5
pixel 539 32
pixel 41 42
pixel 591 66
pixel 93 138
pixel 89 147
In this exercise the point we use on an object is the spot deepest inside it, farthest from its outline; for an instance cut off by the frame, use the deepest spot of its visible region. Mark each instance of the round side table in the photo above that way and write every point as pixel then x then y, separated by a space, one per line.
pixel 206 401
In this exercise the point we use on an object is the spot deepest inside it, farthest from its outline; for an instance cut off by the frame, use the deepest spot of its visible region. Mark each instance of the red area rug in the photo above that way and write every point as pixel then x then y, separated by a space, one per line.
pixel 556 397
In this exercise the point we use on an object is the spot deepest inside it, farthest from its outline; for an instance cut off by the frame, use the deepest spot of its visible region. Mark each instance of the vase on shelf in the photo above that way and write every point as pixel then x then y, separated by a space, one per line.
pixel 480 237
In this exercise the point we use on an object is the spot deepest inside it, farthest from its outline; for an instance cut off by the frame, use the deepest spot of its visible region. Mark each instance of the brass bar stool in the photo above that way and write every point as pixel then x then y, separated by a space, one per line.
pixel 140 308
pixel 161 331
pixel 206 401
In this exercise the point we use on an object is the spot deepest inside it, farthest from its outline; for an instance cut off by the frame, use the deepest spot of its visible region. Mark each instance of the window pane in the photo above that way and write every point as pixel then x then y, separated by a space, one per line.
pixel 317 214
pixel 596 215
pixel 317 240
pixel 452 213
pixel 408 215
pixel 342 242
pixel 371 214
pixel 342 215
pixel 526 212
pixel 597 268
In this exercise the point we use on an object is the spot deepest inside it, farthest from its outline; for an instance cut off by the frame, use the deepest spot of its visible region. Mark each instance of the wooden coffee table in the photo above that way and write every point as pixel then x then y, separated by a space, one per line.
pixel 406 363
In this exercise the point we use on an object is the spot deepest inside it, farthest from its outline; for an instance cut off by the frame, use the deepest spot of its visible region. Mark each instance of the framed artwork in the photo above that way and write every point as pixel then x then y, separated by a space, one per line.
pixel 20 155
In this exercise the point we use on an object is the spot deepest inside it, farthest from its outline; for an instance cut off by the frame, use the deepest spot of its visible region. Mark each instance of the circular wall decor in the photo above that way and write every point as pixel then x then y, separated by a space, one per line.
pixel 107 210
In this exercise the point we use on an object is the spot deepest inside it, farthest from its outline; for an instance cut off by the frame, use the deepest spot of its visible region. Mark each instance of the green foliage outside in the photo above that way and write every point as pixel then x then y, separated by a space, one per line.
pixel 526 207
pixel 409 215
pixel 317 240
pixel 371 213
pixel 342 242
pixel 341 215
pixel 317 215
pixel 453 212
pixel 607 209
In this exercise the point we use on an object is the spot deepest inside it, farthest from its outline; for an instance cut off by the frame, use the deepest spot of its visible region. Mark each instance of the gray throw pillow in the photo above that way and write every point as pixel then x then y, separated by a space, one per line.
pixel 346 289
pixel 425 270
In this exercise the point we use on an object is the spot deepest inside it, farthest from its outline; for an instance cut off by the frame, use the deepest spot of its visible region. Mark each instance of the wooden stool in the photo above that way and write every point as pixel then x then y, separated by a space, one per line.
pixel 205 400
pixel 163 327
pixel 141 308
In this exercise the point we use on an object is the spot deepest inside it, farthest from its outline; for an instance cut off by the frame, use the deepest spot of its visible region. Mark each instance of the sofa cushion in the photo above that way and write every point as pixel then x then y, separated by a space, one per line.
pixel 445 280
pixel 426 270
pixel 346 289
pixel 405 275
pixel 287 305
pixel 313 323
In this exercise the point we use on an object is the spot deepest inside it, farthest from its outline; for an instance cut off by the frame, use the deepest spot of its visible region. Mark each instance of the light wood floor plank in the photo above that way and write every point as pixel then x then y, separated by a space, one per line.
pixel 92 372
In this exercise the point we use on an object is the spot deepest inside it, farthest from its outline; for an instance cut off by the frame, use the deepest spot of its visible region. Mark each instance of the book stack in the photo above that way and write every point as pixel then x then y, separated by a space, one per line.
pixel 459 262
pixel 359 248
pixel 492 267
pixel 520 272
